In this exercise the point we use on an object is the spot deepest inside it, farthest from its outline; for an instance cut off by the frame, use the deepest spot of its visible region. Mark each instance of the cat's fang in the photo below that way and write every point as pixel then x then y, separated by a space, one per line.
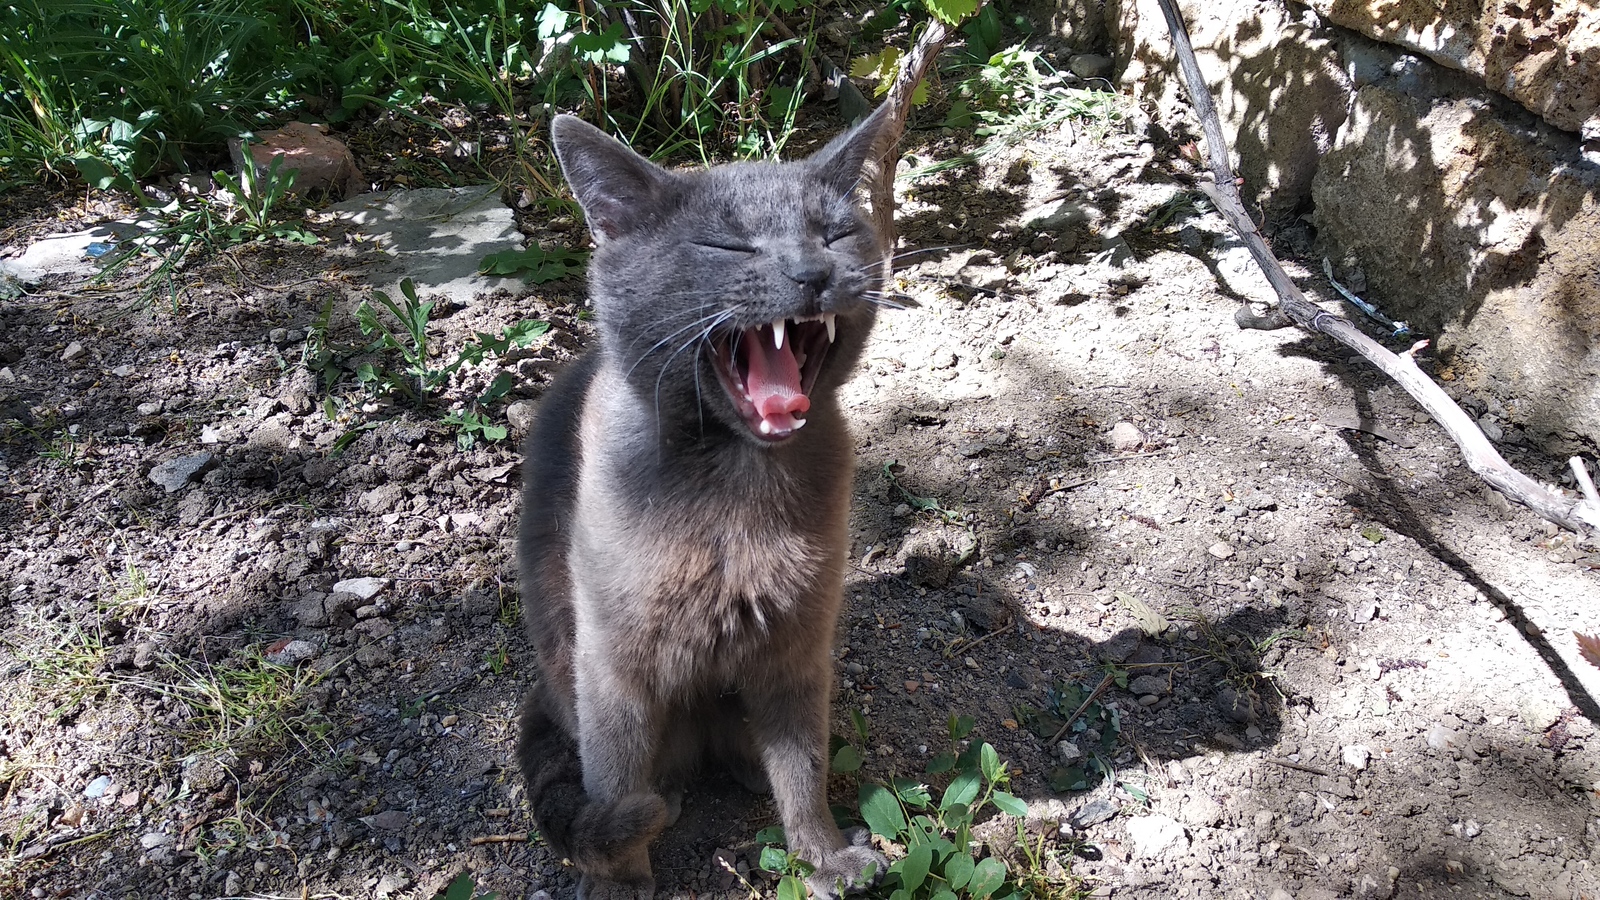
pixel 777 333
pixel 830 320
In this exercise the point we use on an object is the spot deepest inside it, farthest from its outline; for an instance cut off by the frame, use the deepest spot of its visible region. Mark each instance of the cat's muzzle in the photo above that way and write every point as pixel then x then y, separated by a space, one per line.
pixel 768 371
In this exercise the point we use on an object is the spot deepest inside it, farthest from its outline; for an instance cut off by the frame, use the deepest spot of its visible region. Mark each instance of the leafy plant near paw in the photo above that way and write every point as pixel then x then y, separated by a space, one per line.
pixel 933 826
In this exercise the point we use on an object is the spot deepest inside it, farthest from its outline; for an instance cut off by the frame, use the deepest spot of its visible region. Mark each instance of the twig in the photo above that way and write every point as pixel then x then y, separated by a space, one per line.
pixel 517 837
pixel 1581 472
pixel 975 641
pixel 913 68
pixel 1100 688
pixel 1298 767
pixel 1581 515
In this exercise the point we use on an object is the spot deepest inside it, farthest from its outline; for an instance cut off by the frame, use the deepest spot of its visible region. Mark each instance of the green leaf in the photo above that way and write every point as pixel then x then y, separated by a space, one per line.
pixel 790 887
pixel 860 722
pixel 993 769
pixel 461 888
pixel 958 871
pixel 1068 778
pixel 502 385
pixel 941 763
pixel 1010 803
pixel 951 12
pixel 914 868
pixel 963 790
pixel 847 760
pixel 598 49
pixel 987 876
pixel 774 859
pixel 881 811
pixel 961 726
pixel 942 893
pixel 772 835
pixel 522 333
pixel 911 792
pixel 534 263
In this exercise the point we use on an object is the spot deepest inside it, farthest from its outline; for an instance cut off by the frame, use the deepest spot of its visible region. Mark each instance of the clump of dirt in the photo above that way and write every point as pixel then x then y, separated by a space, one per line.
pixel 260 632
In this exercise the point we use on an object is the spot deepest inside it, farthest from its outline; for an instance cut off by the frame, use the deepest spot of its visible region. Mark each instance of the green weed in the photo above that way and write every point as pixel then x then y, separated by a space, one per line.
pixel 463 888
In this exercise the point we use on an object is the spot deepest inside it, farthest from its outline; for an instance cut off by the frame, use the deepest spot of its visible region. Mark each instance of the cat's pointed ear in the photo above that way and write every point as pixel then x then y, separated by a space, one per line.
pixel 850 158
pixel 615 186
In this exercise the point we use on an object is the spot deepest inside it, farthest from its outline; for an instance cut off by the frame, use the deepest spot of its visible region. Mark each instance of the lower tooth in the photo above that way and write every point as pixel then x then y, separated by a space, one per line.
pixel 799 424
pixel 766 427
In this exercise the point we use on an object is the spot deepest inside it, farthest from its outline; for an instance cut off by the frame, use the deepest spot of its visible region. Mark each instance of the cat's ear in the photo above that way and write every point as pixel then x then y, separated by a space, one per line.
pixel 848 158
pixel 615 186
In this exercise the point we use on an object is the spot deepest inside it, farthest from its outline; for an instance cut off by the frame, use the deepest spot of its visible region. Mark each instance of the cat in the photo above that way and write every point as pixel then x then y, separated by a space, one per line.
pixel 687 491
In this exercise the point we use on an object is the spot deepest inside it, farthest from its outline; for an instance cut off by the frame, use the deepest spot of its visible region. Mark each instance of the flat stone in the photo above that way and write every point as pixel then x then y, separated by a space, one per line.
pixel 436 237
pixel 292 653
pixel 1092 813
pixel 365 588
pixel 98 787
pixel 1221 550
pixel 1153 836
pixel 173 474
pixel 73 353
pixel 1126 436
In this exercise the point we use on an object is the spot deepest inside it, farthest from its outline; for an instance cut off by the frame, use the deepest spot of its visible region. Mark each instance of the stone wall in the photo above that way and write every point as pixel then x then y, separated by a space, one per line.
pixel 1449 153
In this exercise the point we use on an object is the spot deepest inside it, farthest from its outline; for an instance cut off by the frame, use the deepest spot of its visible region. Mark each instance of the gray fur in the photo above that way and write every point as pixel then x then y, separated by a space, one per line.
pixel 681 574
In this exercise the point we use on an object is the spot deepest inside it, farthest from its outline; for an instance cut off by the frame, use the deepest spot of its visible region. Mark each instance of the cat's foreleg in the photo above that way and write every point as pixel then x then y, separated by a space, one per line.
pixel 789 725
pixel 616 740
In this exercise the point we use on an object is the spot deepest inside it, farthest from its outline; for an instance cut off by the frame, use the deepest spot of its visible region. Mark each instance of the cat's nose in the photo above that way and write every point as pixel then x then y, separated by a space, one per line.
pixel 813 274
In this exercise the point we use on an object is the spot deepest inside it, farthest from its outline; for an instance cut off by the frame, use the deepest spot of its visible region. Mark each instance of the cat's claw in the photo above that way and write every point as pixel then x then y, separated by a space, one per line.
pixel 851 869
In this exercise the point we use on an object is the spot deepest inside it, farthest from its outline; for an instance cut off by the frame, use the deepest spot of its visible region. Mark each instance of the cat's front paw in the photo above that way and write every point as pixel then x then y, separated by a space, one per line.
pixel 852 868
pixel 592 888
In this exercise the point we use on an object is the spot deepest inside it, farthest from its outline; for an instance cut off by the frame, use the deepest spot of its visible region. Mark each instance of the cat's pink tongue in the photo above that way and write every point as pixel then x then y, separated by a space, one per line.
pixel 774 384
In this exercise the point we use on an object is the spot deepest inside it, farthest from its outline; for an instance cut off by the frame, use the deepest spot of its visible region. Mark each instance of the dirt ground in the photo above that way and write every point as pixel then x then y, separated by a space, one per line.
pixel 1335 665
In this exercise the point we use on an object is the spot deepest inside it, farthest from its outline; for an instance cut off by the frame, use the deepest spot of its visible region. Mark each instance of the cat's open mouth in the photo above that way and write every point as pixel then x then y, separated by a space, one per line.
pixel 768 371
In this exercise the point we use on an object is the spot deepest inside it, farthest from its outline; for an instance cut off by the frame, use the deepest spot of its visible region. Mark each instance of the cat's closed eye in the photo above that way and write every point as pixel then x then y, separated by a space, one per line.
pixel 729 245
pixel 835 237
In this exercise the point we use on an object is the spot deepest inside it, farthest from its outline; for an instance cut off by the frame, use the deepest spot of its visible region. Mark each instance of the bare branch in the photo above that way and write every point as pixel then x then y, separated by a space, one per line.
pixel 913 68
pixel 1581 515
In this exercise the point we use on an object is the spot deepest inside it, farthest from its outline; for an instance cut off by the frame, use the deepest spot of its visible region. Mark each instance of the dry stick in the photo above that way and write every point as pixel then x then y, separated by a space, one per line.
pixel 913 67
pixel 1580 515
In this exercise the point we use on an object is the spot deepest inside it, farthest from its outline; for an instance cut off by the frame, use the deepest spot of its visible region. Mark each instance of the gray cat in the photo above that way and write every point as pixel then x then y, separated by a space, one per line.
pixel 687 491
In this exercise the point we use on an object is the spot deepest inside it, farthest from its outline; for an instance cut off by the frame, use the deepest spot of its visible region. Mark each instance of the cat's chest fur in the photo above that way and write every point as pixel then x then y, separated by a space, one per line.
pixel 685 565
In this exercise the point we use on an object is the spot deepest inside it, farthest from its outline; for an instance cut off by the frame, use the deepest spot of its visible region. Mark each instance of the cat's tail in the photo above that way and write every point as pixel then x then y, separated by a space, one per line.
pixel 592 834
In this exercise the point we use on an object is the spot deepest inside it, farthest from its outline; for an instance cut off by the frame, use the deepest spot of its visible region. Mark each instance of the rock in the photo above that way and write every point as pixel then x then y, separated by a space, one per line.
pixel 1154 836
pixel 1092 813
pixel 724 869
pixel 1549 67
pixel 412 226
pixel 519 416
pixel 150 408
pixel 363 588
pixel 389 820
pixel 1068 752
pixel 1538 713
pixel 1199 810
pixel 320 163
pixel 1240 707
pixel 1356 756
pixel 154 839
pixel 1489 283
pixel 1089 65
pixel 1126 437
pixel 98 787
pixel 174 474
pixel 291 653
pixel 1148 684
pixel 1442 737
pixel 73 353
pixel 390 884
pixel 1221 550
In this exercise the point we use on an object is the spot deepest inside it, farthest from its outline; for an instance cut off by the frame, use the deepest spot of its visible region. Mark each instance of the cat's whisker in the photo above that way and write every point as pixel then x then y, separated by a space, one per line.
pixel 714 319
pixel 698 341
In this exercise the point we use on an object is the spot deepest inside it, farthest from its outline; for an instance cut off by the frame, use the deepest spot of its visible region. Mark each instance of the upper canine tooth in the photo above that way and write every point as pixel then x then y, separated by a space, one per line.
pixel 777 333
pixel 828 319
